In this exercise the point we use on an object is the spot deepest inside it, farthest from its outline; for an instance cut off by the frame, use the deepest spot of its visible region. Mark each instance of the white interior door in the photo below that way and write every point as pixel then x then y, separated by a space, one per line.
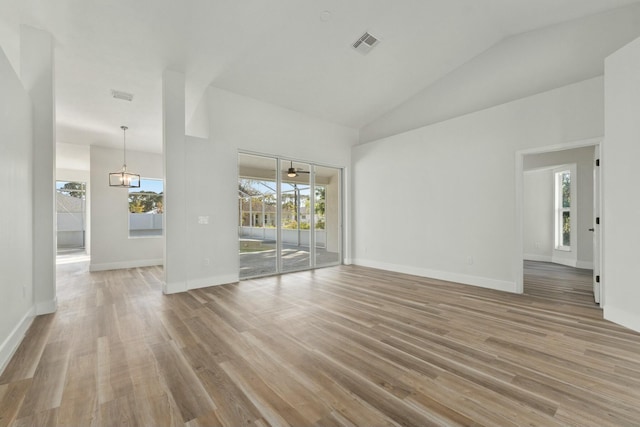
pixel 597 282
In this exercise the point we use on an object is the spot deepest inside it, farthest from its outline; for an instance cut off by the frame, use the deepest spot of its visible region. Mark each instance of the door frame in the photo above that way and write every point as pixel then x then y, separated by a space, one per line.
pixel 597 227
pixel 518 257
pixel 279 161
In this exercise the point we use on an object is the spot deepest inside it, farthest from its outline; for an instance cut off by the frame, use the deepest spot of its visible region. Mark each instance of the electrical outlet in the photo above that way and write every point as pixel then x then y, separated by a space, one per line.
pixel 206 261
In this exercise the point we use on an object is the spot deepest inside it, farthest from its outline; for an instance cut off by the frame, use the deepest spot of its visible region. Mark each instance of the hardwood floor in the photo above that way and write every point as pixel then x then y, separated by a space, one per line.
pixel 559 283
pixel 340 346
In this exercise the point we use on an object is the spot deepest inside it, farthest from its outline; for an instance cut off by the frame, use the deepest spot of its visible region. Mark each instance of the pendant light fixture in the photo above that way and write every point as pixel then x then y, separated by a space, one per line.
pixel 124 179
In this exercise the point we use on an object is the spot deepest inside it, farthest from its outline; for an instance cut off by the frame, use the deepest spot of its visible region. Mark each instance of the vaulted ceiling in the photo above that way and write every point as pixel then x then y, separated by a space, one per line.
pixel 292 53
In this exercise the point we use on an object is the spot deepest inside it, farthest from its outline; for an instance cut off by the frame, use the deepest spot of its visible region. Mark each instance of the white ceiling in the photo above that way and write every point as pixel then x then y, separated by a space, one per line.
pixel 285 52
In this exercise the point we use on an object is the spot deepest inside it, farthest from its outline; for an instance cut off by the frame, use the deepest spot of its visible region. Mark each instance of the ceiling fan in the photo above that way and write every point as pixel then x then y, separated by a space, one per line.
pixel 293 172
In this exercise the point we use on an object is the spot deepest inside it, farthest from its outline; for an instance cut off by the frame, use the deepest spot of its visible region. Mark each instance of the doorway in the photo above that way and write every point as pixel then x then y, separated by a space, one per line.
pixel 289 215
pixel 71 217
pixel 557 212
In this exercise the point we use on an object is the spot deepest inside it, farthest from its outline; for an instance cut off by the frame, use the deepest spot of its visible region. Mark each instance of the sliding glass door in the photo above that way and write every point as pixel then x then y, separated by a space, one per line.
pixel 289 215
pixel 295 219
pixel 257 194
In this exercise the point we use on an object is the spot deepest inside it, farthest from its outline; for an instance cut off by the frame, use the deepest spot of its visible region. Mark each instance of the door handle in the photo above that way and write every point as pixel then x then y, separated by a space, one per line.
pixel 592 229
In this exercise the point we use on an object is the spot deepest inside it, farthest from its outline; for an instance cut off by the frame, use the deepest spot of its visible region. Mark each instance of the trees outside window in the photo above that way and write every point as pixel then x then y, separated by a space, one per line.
pixel 146 206
pixel 563 210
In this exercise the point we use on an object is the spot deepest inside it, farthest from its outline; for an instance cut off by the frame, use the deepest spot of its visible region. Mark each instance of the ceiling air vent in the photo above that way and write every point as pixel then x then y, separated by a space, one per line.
pixel 122 95
pixel 365 43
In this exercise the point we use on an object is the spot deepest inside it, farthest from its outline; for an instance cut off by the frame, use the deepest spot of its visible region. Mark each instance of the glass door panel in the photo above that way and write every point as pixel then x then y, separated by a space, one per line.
pixel 327 216
pixel 257 215
pixel 295 215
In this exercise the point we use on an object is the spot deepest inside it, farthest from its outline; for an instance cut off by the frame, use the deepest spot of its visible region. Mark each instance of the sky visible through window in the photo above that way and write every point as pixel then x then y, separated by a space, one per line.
pixel 149 184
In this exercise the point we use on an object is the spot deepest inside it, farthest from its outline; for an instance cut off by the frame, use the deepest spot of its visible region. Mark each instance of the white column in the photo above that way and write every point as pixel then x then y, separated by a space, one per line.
pixel 37 75
pixel 175 186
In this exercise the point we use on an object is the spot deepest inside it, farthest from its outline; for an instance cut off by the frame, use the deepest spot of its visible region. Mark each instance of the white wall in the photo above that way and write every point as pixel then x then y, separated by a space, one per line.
pixel 519 66
pixel 581 255
pixel 455 180
pixel 241 123
pixel 16 234
pixel 111 247
pixel 332 214
pixel 538 223
pixel 620 177
pixel 37 66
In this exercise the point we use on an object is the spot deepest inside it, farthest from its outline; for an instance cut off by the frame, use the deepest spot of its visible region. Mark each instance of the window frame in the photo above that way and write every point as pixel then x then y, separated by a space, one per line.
pixel 560 210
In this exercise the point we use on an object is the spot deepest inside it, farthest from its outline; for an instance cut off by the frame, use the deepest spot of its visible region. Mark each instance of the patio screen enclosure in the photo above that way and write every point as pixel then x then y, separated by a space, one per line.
pixel 289 215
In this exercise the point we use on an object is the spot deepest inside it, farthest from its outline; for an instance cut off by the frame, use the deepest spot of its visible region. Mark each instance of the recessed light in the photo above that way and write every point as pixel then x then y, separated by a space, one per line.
pixel 325 16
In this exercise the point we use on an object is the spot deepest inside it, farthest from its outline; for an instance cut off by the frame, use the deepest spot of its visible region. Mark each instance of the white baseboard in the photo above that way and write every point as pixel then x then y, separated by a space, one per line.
pixel 11 343
pixel 205 282
pixel 174 287
pixel 622 317
pixel 564 261
pixel 587 265
pixel 46 307
pixel 125 264
pixel 536 257
pixel 483 282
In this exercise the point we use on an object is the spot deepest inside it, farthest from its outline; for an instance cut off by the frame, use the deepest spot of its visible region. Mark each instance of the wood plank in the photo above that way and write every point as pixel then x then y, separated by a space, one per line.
pixel 182 384
pixel 340 346
pixel 46 389
pixel 11 398
pixel 24 362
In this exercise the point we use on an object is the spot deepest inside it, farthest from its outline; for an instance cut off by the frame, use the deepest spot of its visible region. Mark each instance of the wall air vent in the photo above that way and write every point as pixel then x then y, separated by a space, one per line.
pixel 122 95
pixel 365 43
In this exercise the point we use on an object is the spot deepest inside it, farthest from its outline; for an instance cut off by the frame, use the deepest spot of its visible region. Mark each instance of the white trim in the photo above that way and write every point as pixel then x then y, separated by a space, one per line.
pixel 46 307
pixel 587 265
pixel 622 317
pixel 569 262
pixel 125 264
pixel 12 342
pixel 205 282
pixel 562 146
pixel 536 257
pixel 483 282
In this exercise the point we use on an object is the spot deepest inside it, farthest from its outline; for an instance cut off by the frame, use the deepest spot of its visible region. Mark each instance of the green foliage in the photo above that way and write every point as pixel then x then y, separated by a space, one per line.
pixel 290 224
pixel 320 200
pixel 566 190
pixel 566 229
pixel 146 201
pixel 73 189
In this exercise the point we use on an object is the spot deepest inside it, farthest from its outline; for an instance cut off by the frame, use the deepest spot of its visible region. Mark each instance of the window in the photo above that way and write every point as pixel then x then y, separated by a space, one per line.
pixel 146 208
pixel 563 190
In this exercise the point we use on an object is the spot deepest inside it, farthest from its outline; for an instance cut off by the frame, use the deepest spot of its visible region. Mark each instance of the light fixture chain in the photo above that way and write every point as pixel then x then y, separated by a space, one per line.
pixel 124 140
